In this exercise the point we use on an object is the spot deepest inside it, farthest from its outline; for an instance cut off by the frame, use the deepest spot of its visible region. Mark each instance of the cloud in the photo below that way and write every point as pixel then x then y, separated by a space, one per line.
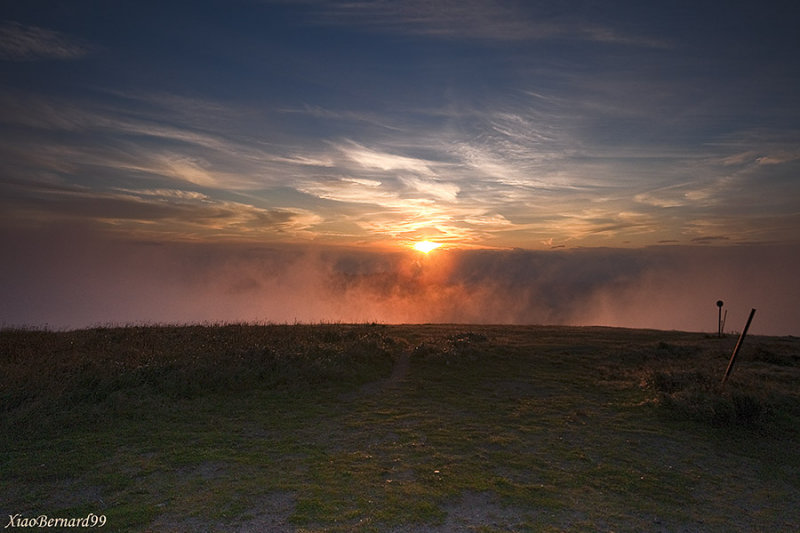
pixel 766 154
pixel 526 166
pixel 71 276
pixel 506 20
pixel 372 159
pixel 352 190
pixel 694 193
pixel 442 18
pixel 19 42
pixel 441 191
pixel 362 117
pixel 710 239
pixel 155 213
pixel 155 135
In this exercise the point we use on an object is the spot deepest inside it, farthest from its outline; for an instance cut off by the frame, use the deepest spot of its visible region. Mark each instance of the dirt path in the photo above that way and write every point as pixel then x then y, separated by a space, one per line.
pixel 395 379
pixel 400 369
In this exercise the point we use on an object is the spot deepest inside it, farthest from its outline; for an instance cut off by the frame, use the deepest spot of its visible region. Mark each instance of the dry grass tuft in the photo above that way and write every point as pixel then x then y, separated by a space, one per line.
pixel 760 395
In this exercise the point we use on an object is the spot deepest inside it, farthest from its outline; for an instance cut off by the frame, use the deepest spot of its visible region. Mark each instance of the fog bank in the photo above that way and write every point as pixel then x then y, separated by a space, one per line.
pixel 72 279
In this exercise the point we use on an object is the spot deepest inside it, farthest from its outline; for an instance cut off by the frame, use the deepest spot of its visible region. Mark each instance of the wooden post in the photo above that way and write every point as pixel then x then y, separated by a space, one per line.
pixel 719 318
pixel 738 345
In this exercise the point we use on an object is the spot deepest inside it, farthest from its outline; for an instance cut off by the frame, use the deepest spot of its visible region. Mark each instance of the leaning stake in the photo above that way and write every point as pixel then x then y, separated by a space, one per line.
pixel 738 345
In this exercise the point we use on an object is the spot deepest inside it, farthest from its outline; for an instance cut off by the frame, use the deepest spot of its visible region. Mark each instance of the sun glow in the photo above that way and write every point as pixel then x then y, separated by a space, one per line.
pixel 426 246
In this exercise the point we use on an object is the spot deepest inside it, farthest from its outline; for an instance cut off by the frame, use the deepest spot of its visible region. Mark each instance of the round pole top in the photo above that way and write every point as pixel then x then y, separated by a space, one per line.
pixel 720 303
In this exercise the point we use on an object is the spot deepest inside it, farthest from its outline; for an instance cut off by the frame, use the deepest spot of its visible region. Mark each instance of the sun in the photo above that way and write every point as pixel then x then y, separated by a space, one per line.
pixel 426 246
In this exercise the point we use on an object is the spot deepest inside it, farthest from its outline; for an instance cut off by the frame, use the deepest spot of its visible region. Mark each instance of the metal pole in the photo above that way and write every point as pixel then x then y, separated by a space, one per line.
pixel 738 345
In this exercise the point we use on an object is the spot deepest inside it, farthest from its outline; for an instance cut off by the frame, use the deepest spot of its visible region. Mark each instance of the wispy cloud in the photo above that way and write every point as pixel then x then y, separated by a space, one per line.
pixel 372 159
pixel 158 213
pixel 363 117
pixel 505 20
pixel 351 190
pixel 439 190
pixel 168 141
pixel 519 170
pixel 19 42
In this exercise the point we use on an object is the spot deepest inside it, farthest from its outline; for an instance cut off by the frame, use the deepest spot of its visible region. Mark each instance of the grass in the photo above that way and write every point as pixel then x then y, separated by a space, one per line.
pixel 477 428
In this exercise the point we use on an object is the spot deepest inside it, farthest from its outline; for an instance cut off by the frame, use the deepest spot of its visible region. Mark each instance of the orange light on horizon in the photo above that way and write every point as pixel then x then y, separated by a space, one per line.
pixel 426 246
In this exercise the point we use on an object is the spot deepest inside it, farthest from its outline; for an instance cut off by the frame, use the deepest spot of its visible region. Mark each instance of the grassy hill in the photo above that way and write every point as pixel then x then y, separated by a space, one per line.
pixel 399 428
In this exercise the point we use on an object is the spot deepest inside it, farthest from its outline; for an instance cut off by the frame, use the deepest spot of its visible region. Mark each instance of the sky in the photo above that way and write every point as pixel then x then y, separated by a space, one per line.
pixel 580 162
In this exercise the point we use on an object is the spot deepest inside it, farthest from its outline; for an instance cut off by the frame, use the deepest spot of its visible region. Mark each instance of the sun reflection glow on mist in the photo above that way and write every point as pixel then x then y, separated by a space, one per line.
pixel 426 246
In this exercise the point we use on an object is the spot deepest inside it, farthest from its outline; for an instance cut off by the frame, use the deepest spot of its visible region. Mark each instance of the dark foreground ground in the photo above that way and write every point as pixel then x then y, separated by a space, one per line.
pixel 398 428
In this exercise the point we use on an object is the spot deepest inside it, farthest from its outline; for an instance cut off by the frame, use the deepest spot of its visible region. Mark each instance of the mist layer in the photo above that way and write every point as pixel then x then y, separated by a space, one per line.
pixel 73 279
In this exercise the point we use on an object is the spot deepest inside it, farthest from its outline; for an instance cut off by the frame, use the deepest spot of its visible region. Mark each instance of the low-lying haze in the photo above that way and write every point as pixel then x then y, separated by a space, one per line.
pixel 78 279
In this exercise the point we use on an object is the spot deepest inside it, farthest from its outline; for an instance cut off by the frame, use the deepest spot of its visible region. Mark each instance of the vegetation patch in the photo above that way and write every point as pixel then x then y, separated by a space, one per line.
pixel 761 397
pixel 244 427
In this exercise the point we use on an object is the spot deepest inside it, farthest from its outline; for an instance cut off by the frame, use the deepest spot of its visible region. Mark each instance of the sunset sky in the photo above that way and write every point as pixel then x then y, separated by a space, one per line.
pixel 277 160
